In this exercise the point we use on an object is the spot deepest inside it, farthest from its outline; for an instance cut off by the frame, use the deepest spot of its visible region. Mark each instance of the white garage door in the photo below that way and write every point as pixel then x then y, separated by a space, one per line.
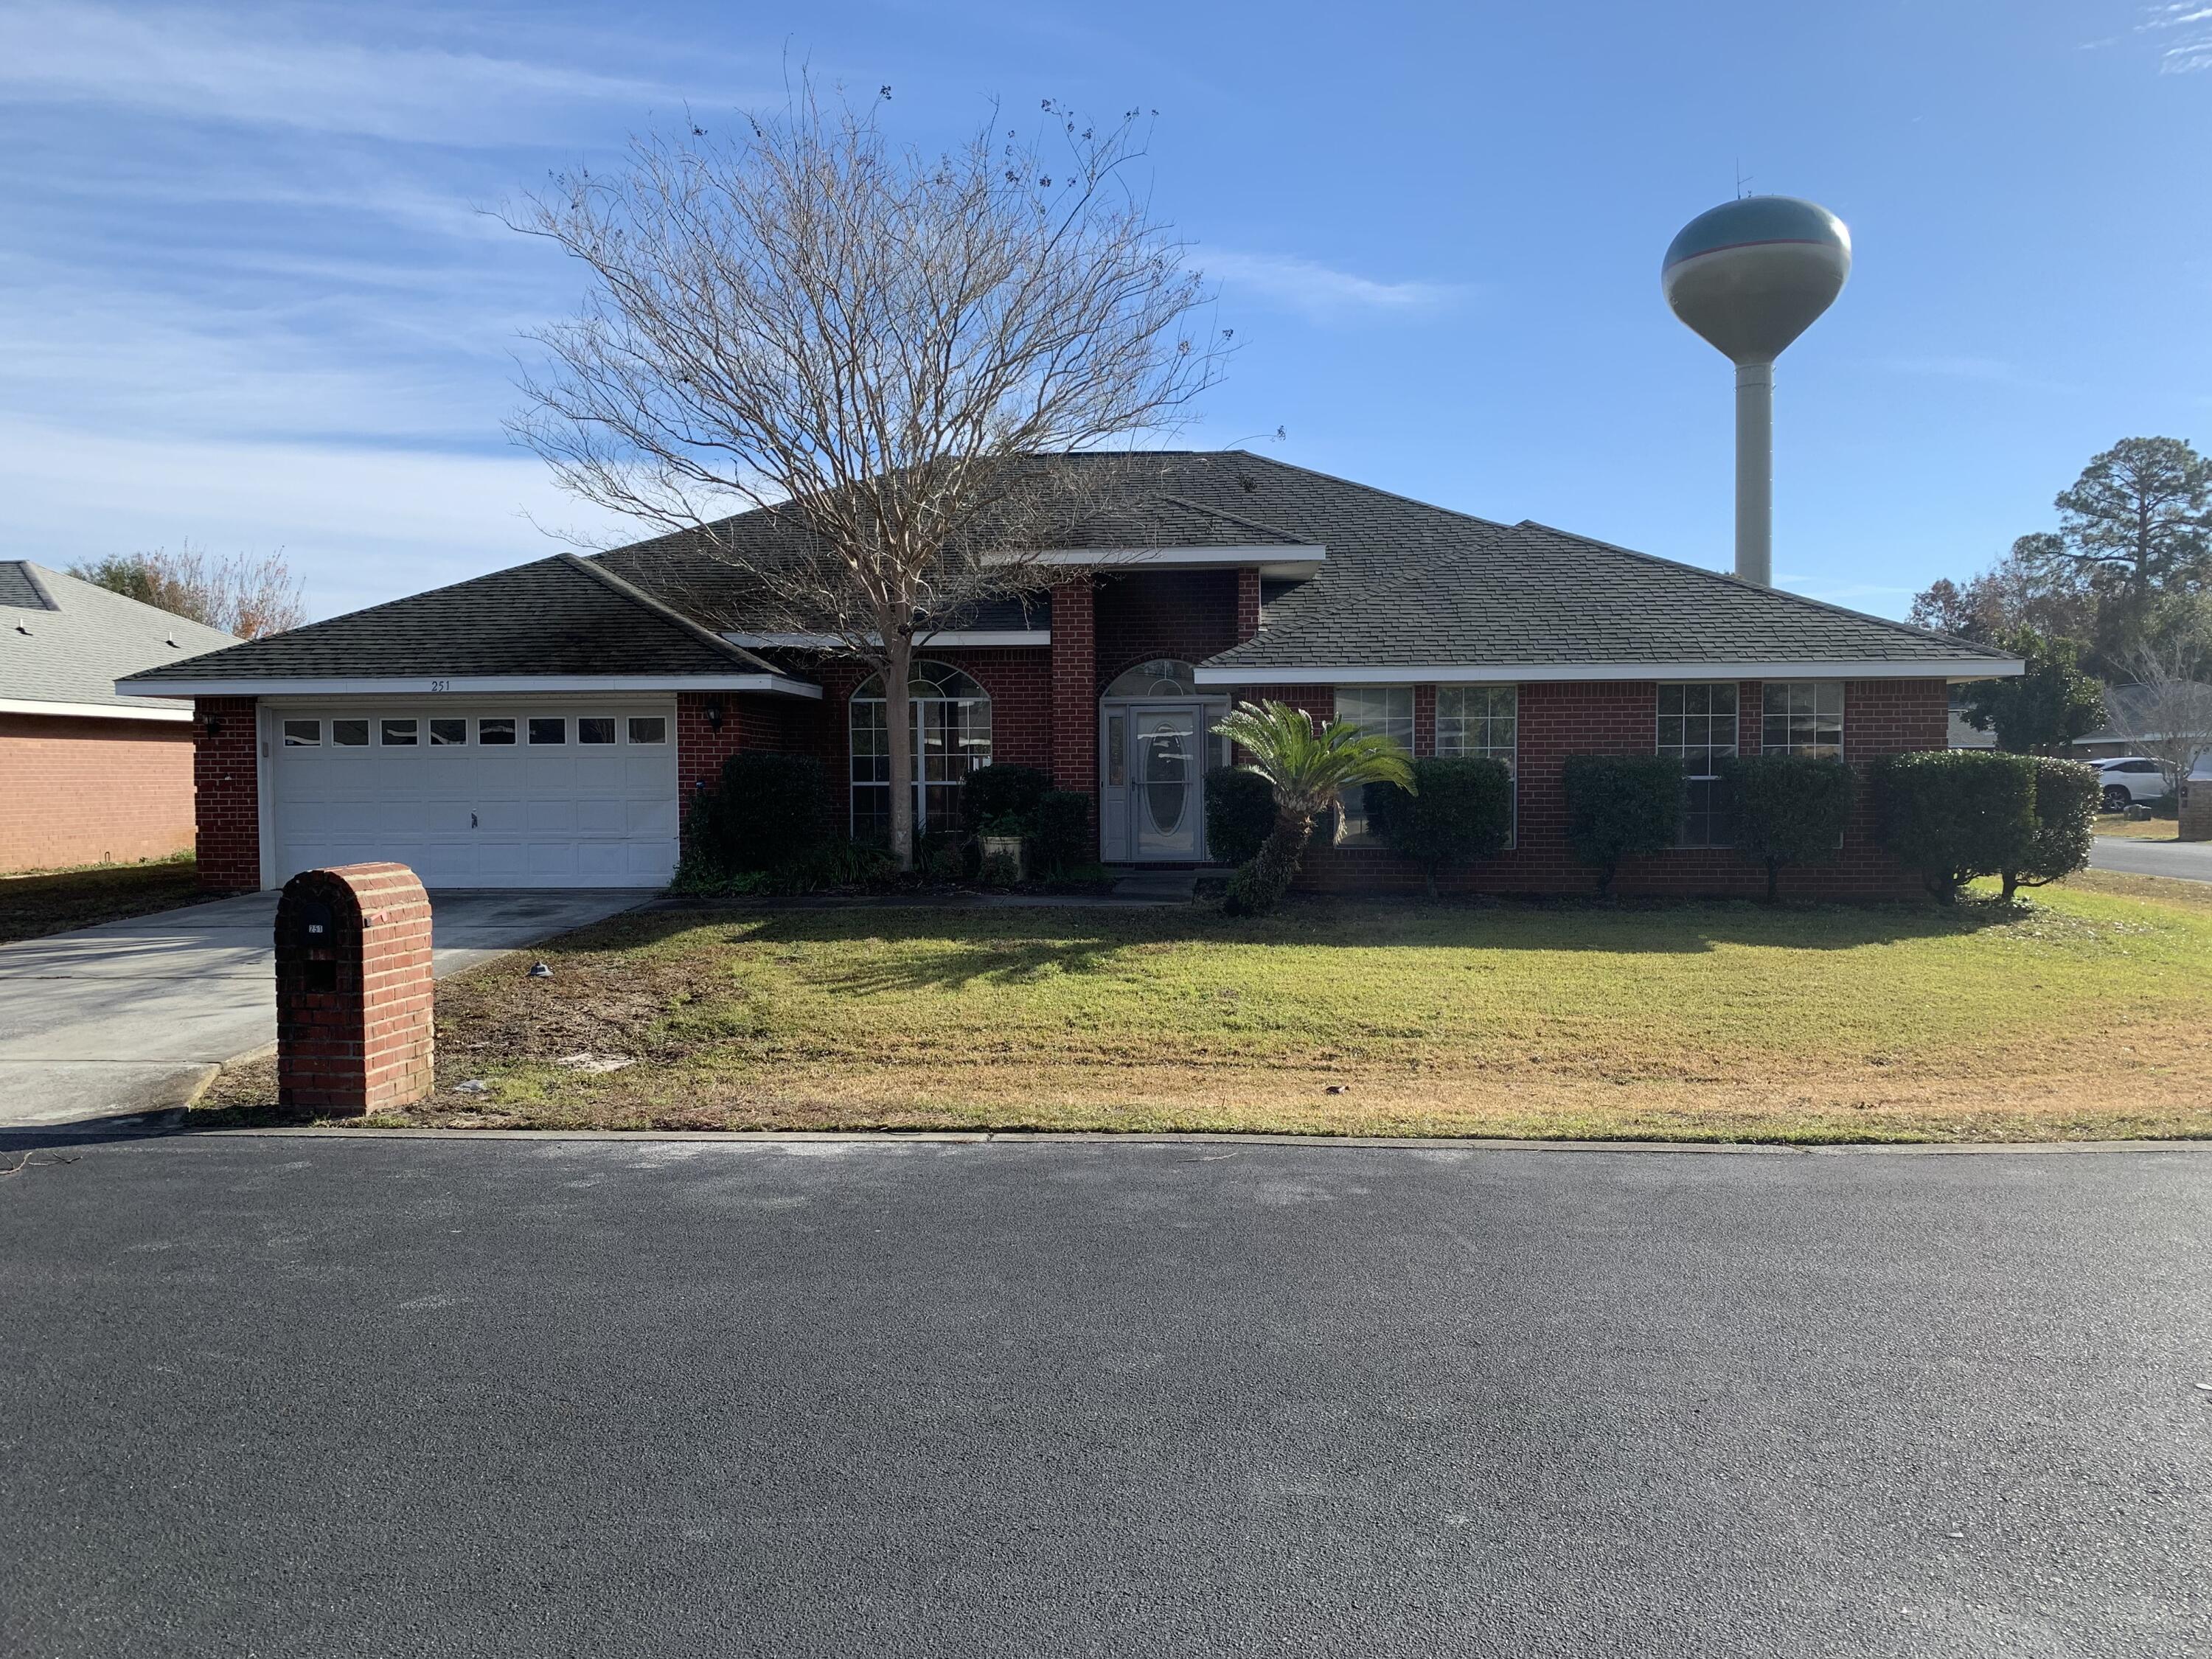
pixel 489 795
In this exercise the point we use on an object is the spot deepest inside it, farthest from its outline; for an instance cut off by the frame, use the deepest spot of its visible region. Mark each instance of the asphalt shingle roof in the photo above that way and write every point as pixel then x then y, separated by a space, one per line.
pixel 556 616
pixel 1404 585
pixel 63 641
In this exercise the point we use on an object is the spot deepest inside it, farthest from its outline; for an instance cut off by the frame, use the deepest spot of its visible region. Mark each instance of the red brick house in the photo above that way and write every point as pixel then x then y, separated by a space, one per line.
pixel 543 725
pixel 87 775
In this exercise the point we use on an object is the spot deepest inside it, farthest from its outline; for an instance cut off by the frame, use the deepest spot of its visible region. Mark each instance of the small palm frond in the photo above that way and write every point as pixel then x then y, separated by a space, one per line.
pixel 1307 766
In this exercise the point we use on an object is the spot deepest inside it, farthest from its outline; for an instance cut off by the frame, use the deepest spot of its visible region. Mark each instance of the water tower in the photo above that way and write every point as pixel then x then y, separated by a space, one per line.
pixel 1750 277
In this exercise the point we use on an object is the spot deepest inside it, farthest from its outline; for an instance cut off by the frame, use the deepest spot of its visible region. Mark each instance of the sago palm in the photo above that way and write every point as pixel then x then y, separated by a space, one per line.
pixel 1307 766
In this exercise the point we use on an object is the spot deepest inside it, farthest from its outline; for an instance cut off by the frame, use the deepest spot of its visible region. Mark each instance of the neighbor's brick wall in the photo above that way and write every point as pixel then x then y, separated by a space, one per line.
pixel 1074 674
pixel 226 784
pixel 363 1041
pixel 80 791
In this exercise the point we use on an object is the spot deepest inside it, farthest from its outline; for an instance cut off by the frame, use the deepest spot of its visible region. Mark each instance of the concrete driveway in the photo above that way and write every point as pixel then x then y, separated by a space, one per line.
pixel 2184 860
pixel 130 1016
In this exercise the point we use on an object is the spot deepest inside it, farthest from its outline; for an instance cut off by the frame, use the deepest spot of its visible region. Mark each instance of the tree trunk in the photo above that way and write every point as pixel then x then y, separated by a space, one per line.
pixel 1259 887
pixel 898 717
pixel 2011 885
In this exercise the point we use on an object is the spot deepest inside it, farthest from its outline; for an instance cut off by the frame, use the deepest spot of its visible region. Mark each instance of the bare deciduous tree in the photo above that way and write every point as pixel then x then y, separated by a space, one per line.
pixel 242 594
pixel 2166 716
pixel 872 345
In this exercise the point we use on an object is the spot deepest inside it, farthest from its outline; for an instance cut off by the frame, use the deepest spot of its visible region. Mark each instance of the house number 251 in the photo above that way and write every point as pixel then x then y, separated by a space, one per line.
pixel 441 685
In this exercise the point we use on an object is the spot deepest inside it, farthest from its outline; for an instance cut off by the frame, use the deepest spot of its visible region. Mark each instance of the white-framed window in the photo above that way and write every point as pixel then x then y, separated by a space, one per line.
pixel 400 735
pixel 951 737
pixel 349 734
pixel 1697 726
pixel 496 731
pixel 448 733
pixel 1379 711
pixel 595 728
pixel 548 729
pixel 1803 717
pixel 1485 721
pixel 648 728
pixel 303 734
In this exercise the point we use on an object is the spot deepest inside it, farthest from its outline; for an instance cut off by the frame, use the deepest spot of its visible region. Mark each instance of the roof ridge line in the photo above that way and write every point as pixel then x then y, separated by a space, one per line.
pixel 1371 490
pixel 1291 537
pixel 669 613
pixel 1734 580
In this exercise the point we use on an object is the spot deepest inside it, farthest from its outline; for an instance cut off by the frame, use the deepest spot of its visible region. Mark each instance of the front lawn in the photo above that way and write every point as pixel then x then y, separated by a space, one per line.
pixel 55 900
pixel 2128 829
pixel 2086 1013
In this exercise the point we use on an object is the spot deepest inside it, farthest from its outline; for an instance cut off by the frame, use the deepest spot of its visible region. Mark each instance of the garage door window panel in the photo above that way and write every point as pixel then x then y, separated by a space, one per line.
pixel 303 734
pixel 648 728
pixel 495 730
pixel 349 734
pixel 595 729
pixel 448 733
pixel 548 729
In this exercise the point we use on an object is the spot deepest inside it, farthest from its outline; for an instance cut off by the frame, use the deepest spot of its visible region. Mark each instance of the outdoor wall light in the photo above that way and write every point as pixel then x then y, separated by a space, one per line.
pixel 713 713
pixel 215 725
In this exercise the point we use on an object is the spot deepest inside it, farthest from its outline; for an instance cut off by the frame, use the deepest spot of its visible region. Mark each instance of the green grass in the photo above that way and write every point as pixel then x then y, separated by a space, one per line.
pixel 55 900
pixel 2086 1012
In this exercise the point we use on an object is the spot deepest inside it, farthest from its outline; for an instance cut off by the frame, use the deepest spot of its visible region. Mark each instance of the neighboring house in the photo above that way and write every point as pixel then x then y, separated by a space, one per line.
pixel 2126 707
pixel 545 726
pixel 87 775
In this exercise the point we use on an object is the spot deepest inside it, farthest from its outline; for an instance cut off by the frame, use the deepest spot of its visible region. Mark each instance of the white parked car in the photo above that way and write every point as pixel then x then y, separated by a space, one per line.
pixel 2130 780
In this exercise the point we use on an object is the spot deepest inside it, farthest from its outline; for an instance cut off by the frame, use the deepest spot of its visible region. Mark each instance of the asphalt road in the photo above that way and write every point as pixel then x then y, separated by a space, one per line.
pixel 2183 860
pixel 299 1397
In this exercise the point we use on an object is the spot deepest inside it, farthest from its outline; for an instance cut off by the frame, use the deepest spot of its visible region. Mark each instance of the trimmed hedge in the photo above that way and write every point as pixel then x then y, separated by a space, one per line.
pixel 765 812
pixel 1621 806
pixel 1789 809
pixel 1461 812
pixel 1953 814
pixel 1061 839
pixel 1240 811
pixel 991 792
pixel 2067 797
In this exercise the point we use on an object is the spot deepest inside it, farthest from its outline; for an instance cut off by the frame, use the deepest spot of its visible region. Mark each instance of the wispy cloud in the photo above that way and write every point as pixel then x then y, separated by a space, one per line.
pixel 252 67
pixel 1320 291
pixel 1965 366
pixel 2191 49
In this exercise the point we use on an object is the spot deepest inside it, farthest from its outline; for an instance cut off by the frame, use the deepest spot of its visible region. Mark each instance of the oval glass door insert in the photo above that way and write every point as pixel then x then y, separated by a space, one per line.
pixel 1166 778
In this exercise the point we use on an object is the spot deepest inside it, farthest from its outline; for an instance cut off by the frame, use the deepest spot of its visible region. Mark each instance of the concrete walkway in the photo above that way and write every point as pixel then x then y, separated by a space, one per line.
pixel 2183 860
pixel 132 1017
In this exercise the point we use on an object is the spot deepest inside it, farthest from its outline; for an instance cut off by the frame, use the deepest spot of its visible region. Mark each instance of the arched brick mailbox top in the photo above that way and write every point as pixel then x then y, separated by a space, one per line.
pixel 353 1010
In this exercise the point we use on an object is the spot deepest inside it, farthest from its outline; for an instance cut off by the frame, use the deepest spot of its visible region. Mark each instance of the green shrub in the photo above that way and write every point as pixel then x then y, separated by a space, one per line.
pixel 1061 839
pixel 1462 811
pixel 1953 814
pixel 990 793
pixel 1000 870
pixel 1789 809
pixel 765 812
pixel 1240 811
pixel 1621 806
pixel 2068 796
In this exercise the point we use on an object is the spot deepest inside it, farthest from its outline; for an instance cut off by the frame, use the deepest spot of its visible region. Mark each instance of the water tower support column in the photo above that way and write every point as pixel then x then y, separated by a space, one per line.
pixel 1754 472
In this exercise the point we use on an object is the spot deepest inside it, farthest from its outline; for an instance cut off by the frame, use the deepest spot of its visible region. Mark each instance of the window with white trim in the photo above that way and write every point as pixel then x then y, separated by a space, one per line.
pixel 951 737
pixel 1697 726
pixel 1378 711
pixel 303 734
pixel 1483 721
pixel 1803 717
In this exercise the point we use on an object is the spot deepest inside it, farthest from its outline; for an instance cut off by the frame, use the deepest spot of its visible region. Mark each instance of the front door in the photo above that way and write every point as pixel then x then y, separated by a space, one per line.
pixel 1166 775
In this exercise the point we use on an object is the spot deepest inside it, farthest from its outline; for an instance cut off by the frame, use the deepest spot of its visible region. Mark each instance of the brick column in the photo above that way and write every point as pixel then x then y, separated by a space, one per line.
pixel 354 1024
pixel 1424 720
pixel 1248 602
pixel 1075 690
pixel 227 793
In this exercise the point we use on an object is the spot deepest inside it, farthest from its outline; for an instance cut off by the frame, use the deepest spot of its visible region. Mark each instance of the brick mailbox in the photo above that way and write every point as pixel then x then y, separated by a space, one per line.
pixel 354 1019
pixel 2196 810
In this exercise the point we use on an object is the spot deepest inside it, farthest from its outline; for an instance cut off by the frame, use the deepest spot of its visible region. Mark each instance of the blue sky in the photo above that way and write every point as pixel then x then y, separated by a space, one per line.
pixel 247 297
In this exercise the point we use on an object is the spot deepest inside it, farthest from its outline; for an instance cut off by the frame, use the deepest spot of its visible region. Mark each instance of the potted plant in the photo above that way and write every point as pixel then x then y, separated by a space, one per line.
pixel 1002 838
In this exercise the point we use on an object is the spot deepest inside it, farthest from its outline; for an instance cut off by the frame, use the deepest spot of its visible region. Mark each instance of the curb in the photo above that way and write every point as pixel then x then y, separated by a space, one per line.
pixel 750 1139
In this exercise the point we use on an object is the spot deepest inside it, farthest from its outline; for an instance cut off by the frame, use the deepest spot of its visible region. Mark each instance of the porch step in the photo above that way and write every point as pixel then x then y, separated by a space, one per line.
pixel 1157 884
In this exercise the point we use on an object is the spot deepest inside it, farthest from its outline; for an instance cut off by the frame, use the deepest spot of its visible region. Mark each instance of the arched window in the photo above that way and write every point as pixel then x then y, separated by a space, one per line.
pixel 1163 678
pixel 951 737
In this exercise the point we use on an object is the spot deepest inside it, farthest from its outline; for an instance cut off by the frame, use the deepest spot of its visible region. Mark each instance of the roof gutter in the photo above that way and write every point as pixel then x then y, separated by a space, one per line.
pixel 781 685
pixel 1953 671
pixel 92 711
